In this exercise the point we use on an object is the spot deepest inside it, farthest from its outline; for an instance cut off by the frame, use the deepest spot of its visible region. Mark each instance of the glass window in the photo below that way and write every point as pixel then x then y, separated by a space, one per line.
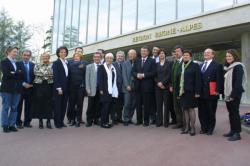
pixel 129 16
pixel 165 11
pixel 92 21
pixel 103 19
pixel 215 4
pixel 83 22
pixel 67 30
pixel 75 24
pixel 242 1
pixel 55 25
pixel 188 8
pixel 61 22
pixel 145 13
pixel 115 18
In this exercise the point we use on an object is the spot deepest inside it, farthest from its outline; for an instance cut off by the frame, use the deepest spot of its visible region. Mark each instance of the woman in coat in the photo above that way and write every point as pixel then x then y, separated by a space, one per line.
pixel 235 80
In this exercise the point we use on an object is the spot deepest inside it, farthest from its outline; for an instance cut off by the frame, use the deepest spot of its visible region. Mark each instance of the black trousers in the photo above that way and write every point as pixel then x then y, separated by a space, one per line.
pixel 116 113
pixel 106 109
pixel 162 97
pixel 26 98
pixel 76 98
pixel 234 115
pixel 143 106
pixel 153 108
pixel 93 110
pixel 60 108
pixel 207 114
pixel 171 107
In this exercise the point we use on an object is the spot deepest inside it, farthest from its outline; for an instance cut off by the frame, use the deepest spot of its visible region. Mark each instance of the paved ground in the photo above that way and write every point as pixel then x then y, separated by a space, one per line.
pixel 123 146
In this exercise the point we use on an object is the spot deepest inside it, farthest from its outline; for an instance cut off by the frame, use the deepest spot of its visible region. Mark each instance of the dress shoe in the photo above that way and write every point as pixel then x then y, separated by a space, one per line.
pixel 125 123
pixel 106 126
pixel 229 134
pixel 153 122
pixel 48 124
pixel 19 126
pixel 172 123
pixel 78 124
pixel 88 124
pixel 158 125
pixel 13 129
pixel 184 132
pixel 110 125
pixel 40 124
pixel 6 130
pixel 210 133
pixel 166 125
pixel 192 133
pixel 138 123
pixel 73 123
pixel 63 125
pixel 203 132
pixel 177 126
pixel 145 124
pixel 234 137
pixel 82 122
pixel 27 125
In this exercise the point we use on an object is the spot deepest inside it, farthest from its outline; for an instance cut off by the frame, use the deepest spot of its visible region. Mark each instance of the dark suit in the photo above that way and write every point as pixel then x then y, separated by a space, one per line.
pixel 106 99
pixel 11 87
pixel 119 102
pixel 77 72
pixel 60 81
pixel 208 103
pixel 163 75
pixel 144 88
pixel 26 95
pixel 236 94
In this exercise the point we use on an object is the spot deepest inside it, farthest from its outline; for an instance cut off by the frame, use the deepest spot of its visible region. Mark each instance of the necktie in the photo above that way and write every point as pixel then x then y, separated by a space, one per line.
pixel 27 71
pixel 143 61
pixel 204 67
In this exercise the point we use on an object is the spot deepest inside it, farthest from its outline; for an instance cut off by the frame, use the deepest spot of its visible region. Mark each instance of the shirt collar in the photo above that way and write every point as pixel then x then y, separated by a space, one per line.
pixel 11 59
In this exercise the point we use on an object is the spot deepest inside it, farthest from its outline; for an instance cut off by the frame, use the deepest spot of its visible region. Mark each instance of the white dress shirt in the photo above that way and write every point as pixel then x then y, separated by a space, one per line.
pixel 64 62
pixel 208 63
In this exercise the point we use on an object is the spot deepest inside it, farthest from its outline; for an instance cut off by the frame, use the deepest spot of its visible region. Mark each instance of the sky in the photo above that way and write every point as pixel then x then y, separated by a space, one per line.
pixel 35 13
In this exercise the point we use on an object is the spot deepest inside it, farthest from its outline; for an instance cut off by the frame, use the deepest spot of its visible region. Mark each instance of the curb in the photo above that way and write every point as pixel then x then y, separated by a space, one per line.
pixel 245 128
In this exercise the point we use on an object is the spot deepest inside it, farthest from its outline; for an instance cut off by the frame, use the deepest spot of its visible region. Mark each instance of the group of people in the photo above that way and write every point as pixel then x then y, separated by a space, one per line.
pixel 162 90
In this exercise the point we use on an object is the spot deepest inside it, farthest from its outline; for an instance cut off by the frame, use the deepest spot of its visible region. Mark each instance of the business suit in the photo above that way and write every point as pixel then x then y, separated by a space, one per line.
pixel 208 103
pixel 93 110
pixel 144 88
pixel 105 98
pixel 76 91
pixel 163 75
pixel 60 80
pixel 236 94
pixel 177 108
pixel 116 114
pixel 11 87
pixel 26 95
pixel 129 96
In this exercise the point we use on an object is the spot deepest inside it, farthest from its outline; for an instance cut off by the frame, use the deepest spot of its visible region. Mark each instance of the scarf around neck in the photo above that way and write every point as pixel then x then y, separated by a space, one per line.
pixel 112 88
pixel 183 68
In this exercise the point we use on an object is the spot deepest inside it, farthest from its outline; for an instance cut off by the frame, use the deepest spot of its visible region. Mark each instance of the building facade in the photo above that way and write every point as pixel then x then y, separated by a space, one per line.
pixel 122 24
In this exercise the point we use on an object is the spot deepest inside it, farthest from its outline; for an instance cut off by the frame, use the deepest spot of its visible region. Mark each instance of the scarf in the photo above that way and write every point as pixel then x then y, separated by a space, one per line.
pixel 112 88
pixel 183 68
pixel 229 77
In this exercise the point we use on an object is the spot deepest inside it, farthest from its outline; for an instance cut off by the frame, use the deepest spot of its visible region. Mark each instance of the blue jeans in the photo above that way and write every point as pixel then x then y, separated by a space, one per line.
pixel 9 102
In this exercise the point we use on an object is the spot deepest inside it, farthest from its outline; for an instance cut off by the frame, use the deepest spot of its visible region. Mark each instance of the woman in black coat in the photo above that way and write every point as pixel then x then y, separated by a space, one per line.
pixel 235 79
pixel 189 81
pixel 162 94
pixel 108 88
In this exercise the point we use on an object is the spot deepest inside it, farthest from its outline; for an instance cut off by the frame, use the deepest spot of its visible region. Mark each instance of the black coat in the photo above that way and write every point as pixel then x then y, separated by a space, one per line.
pixel 192 79
pixel 77 72
pixel 237 88
pixel 119 76
pixel 163 74
pixel 59 76
pixel 147 84
pixel 214 73
pixel 11 79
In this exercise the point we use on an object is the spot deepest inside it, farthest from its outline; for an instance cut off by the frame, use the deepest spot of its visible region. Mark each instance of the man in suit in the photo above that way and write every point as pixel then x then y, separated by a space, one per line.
pixel 143 72
pixel 102 52
pixel 93 110
pixel 128 87
pixel 116 114
pixel 212 72
pixel 11 86
pixel 26 95
pixel 155 56
pixel 60 78
pixel 175 68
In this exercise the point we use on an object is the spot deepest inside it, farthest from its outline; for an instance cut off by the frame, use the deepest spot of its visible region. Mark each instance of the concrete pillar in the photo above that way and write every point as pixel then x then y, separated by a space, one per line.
pixel 245 53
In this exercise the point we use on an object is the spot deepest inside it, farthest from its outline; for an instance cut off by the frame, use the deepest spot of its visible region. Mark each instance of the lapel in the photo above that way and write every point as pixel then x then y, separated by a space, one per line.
pixel 61 66
pixel 10 64
pixel 209 67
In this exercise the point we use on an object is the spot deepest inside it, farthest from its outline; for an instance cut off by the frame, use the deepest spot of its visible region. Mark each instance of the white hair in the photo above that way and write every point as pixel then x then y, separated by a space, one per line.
pixel 109 55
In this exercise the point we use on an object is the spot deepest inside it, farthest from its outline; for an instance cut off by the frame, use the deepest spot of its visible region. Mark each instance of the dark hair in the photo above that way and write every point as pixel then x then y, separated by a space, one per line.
pixel 145 47
pixel 189 52
pixel 163 50
pixel 102 50
pixel 173 51
pixel 10 48
pixel 178 46
pixel 235 54
pixel 27 51
pixel 62 48
pixel 78 48
pixel 97 53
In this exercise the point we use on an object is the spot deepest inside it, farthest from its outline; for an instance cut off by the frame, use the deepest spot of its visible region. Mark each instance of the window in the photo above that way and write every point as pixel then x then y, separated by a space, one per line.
pixel 55 25
pixel 92 21
pixel 75 24
pixel 103 20
pixel 165 11
pixel 188 8
pixel 129 16
pixel 67 29
pixel 61 23
pixel 115 18
pixel 215 4
pixel 83 22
